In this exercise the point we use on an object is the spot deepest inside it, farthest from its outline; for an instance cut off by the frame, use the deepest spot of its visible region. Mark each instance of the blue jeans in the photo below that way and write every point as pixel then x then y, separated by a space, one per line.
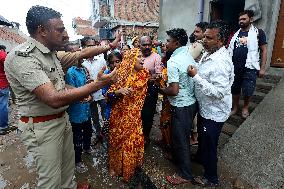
pixel 4 98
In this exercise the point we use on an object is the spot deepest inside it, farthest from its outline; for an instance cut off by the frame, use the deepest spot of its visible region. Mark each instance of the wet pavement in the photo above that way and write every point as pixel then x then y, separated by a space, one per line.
pixel 17 166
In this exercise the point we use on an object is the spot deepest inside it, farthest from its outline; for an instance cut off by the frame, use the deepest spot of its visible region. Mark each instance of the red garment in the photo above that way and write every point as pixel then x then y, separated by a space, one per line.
pixel 3 80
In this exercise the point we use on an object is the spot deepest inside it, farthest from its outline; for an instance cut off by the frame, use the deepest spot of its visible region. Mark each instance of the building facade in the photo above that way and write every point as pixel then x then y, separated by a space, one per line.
pixel 186 13
pixel 10 35
pixel 84 27
pixel 135 17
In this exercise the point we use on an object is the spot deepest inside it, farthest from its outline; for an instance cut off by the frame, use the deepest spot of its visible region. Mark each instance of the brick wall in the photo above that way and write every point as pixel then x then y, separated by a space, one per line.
pixel 8 35
pixel 84 27
pixel 137 10
pixel 131 32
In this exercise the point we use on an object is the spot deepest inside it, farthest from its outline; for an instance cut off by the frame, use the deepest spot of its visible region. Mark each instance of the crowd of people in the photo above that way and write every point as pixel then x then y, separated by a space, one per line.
pixel 66 93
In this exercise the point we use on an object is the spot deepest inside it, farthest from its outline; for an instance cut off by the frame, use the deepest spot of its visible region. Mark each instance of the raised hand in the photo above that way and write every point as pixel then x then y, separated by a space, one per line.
pixel 115 43
pixel 106 79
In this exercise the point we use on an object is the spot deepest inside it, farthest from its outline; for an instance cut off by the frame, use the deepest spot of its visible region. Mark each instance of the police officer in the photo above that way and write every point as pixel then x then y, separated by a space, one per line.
pixel 36 76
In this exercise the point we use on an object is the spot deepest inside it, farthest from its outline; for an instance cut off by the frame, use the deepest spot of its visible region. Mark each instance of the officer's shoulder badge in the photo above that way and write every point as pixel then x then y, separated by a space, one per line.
pixel 25 50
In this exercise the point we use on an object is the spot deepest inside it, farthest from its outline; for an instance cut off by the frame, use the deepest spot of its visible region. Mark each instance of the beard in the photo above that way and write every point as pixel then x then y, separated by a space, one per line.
pixel 243 25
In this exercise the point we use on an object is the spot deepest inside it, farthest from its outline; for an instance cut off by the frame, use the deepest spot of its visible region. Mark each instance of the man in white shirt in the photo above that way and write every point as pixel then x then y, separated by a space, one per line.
pixel 94 65
pixel 213 80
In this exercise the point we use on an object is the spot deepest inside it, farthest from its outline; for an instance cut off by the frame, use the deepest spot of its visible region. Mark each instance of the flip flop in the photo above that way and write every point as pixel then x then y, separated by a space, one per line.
pixel 176 180
pixel 245 114
pixel 203 182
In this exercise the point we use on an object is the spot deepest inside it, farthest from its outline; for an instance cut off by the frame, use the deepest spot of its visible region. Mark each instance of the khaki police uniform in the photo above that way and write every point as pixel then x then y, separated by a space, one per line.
pixel 68 59
pixel 27 67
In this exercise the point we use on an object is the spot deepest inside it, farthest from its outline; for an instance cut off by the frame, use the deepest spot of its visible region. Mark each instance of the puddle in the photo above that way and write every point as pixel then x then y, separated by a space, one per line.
pixel 29 160
pixel 3 183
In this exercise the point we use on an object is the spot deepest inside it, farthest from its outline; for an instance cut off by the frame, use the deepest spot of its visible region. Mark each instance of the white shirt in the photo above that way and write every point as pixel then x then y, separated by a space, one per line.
pixel 94 67
pixel 213 83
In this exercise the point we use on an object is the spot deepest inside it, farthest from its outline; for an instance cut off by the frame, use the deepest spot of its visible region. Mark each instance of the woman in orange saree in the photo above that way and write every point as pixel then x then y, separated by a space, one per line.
pixel 126 141
pixel 165 119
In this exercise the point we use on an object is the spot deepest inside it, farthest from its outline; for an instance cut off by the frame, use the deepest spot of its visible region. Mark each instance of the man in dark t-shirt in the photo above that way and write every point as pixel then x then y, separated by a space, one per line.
pixel 248 48
pixel 241 50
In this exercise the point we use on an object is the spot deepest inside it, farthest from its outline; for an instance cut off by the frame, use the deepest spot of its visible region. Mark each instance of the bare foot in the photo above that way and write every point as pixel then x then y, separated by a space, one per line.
pixel 233 111
pixel 245 113
pixel 111 173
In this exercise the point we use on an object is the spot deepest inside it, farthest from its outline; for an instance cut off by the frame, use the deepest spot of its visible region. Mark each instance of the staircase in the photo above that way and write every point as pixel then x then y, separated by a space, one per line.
pixel 263 86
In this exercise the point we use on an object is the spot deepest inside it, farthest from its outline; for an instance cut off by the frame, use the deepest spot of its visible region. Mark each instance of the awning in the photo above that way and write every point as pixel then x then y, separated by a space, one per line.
pixel 4 21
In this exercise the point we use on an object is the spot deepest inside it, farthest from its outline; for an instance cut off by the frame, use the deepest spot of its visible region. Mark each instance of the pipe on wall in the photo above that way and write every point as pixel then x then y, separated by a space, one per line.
pixel 200 10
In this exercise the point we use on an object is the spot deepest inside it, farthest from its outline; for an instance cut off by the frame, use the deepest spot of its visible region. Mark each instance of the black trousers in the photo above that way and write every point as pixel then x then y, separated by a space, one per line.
pixel 182 118
pixel 148 110
pixel 209 136
pixel 82 133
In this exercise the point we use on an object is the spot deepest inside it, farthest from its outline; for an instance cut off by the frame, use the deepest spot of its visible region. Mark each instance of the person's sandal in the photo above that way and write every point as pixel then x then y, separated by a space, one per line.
pixel 176 180
pixel 203 182
pixel 245 114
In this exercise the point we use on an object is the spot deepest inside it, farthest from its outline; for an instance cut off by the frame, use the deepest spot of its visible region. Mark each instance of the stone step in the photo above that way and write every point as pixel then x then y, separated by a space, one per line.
pixel 223 139
pixel 257 97
pixel 229 129
pixel 271 79
pixel 235 120
pixel 263 87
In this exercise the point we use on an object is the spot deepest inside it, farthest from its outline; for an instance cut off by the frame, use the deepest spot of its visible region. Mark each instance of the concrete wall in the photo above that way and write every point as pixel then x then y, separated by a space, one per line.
pixel 179 14
pixel 268 22
pixel 184 14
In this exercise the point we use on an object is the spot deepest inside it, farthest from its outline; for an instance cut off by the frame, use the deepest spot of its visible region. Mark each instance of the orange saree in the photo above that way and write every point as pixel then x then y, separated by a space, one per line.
pixel 126 141
pixel 165 119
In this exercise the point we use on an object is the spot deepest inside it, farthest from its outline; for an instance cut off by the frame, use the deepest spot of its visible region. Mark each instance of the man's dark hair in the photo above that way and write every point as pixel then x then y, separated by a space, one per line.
pixel 250 13
pixel 84 41
pixel 114 54
pixel 202 25
pixel 223 27
pixel 191 38
pixel 39 16
pixel 179 34
pixel 3 47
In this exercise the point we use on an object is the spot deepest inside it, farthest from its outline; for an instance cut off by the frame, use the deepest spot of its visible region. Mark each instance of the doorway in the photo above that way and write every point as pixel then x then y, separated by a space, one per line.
pixel 227 10
pixel 278 48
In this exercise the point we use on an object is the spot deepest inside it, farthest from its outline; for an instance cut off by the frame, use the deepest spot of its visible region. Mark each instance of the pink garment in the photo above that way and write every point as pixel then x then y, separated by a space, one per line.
pixel 153 63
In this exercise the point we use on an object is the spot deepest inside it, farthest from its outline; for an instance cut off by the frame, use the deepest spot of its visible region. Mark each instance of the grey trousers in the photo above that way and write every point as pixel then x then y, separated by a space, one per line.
pixel 182 118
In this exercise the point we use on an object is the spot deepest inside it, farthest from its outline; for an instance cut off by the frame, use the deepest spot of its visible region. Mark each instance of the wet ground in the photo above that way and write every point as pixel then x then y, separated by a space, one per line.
pixel 17 169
